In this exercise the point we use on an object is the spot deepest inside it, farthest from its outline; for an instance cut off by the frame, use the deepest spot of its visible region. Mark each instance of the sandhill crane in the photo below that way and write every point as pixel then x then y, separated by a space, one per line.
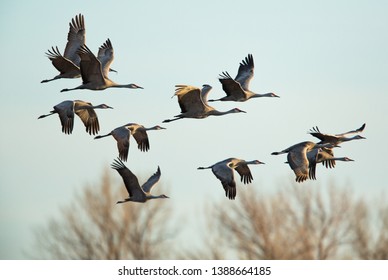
pixel 223 170
pixel 122 134
pixel 93 74
pixel 324 155
pixel 193 103
pixel 238 89
pixel 84 110
pixel 337 139
pixel 135 192
pixel 297 158
pixel 68 64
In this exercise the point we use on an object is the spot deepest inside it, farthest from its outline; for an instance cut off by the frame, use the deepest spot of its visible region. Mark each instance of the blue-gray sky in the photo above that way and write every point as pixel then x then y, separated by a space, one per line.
pixel 326 59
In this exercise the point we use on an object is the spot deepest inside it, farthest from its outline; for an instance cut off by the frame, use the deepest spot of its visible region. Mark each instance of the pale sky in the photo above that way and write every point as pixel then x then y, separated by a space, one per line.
pixel 327 60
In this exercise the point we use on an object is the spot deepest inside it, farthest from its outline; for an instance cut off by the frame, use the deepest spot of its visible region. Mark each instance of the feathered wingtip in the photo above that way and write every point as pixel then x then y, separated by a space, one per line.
pixel 84 50
pixel 248 61
pixel 117 164
pixel 315 129
pixel 225 76
pixel 106 45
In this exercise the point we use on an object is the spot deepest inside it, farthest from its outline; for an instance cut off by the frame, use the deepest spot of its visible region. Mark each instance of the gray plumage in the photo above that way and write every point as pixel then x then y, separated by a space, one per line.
pixel 193 103
pixel 238 89
pixel 137 193
pixel 223 170
pixel 122 135
pixel 84 110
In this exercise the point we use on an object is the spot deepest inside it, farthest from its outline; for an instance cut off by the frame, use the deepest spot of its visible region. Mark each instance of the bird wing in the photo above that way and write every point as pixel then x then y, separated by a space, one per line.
pixel 205 92
pixel 151 182
pixel 245 72
pixel 325 156
pixel 61 63
pixel 88 117
pixel 358 130
pixel 298 162
pixel 312 157
pixel 244 171
pixel 325 138
pixel 225 174
pixel 231 87
pixel 121 134
pixel 189 99
pixel 75 38
pixel 91 69
pixel 106 56
pixel 130 180
pixel 66 115
pixel 141 138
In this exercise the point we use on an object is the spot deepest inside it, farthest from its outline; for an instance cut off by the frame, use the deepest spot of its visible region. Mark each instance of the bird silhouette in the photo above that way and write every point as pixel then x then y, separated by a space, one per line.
pixel 93 73
pixel 68 64
pixel 238 89
pixel 223 170
pixel 122 136
pixel 135 192
pixel 193 103
pixel 297 158
pixel 84 110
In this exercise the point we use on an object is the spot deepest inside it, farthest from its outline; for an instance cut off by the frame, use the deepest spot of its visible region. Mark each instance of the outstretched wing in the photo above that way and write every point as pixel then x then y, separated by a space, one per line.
pixel 130 180
pixel 189 99
pixel 66 115
pixel 325 138
pixel 231 87
pixel 245 72
pixel 245 173
pixel 151 182
pixel 91 69
pixel 62 64
pixel 75 39
pixel 299 164
pixel 106 56
pixel 358 130
pixel 88 117
pixel 225 174
pixel 121 134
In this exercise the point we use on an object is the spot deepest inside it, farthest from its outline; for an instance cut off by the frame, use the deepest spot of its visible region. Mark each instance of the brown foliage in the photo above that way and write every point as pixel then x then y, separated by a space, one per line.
pixel 94 227
pixel 297 222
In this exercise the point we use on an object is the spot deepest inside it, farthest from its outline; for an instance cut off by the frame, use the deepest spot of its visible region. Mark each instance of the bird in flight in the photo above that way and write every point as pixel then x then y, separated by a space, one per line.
pixel 137 193
pixel 122 135
pixel 84 110
pixel 193 103
pixel 68 64
pixel 94 75
pixel 223 170
pixel 238 89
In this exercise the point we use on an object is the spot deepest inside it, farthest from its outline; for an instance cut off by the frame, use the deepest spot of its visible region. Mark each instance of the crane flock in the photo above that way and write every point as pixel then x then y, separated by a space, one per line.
pixel 79 61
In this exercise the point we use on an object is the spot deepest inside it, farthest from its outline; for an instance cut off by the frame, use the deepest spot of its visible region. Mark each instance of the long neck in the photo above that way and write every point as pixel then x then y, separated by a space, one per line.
pixel 151 128
pixel 345 139
pixel 339 158
pixel 154 196
pixel 88 107
pixel 251 94
pixel 218 113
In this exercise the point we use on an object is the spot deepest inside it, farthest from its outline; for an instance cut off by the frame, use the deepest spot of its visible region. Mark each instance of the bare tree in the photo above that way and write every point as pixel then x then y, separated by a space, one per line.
pixel 297 222
pixel 370 229
pixel 94 227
